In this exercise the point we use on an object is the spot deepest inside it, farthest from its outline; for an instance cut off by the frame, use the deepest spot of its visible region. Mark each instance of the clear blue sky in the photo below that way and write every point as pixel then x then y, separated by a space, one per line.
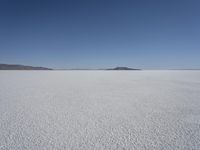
pixel 150 34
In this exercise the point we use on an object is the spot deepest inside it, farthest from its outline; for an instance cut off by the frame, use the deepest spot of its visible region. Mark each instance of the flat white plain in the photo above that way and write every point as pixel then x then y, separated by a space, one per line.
pixel 141 110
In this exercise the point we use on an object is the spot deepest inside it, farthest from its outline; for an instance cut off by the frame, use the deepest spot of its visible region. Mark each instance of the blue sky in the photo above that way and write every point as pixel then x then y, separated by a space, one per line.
pixel 149 34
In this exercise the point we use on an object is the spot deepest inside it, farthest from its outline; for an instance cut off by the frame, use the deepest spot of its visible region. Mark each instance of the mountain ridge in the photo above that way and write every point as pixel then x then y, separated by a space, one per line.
pixel 21 67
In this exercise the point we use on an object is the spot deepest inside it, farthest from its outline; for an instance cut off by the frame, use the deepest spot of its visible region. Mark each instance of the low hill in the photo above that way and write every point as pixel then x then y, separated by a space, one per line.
pixel 122 68
pixel 21 67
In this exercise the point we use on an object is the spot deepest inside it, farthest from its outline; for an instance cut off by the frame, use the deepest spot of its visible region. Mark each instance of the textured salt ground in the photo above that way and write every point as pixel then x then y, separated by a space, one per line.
pixel 100 110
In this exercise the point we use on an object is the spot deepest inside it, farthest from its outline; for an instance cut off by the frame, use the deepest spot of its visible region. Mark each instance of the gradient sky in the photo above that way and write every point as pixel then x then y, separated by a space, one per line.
pixel 148 34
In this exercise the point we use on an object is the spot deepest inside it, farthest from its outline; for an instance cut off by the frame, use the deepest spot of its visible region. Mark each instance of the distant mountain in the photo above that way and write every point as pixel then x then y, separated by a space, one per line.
pixel 122 68
pixel 21 67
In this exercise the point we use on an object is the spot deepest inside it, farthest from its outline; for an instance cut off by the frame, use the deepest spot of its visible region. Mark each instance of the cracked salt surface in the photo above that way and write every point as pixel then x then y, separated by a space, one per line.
pixel 141 110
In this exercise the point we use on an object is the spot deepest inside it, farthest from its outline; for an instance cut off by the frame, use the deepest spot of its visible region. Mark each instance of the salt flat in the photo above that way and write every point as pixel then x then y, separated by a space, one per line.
pixel 142 110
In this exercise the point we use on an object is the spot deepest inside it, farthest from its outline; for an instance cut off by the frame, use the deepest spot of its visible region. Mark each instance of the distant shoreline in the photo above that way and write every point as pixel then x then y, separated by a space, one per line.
pixel 17 67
